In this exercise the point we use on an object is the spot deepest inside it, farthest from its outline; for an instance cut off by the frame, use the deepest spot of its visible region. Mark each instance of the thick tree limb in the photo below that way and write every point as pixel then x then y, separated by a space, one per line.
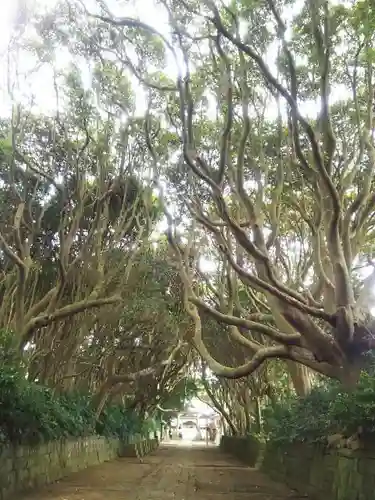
pixel 62 313
pixel 270 332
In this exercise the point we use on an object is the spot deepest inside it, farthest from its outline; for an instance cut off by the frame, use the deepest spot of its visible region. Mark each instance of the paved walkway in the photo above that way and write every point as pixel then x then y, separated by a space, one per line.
pixel 173 472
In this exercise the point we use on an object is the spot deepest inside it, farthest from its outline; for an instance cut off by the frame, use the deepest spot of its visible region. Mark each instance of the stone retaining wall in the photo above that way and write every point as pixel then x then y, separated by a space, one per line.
pixel 23 468
pixel 247 449
pixel 315 471
pixel 138 448
pixel 323 474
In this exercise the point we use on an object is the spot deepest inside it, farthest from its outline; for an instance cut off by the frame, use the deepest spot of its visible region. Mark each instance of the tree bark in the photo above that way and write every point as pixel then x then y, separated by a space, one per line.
pixel 301 378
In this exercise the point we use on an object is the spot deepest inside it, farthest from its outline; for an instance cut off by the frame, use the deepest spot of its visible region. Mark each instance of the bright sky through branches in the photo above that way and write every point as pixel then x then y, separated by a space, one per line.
pixel 40 83
pixel 37 87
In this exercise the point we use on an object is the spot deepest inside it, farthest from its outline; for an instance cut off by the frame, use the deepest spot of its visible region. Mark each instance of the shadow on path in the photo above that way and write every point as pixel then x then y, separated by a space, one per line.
pixel 179 471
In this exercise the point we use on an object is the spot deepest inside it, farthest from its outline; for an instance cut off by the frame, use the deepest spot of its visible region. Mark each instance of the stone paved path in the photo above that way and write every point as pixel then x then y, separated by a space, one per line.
pixel 173 472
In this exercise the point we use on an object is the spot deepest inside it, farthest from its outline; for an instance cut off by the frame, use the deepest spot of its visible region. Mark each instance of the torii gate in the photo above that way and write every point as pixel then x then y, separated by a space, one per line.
pixel 198 418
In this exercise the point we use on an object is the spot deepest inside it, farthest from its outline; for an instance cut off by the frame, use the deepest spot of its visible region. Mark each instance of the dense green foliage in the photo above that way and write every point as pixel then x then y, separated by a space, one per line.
pixel 181 394
pixel 327 410
pixel 31 413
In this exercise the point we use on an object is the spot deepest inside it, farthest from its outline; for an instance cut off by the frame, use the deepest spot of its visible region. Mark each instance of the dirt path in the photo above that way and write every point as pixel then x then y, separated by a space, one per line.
pixel 178 473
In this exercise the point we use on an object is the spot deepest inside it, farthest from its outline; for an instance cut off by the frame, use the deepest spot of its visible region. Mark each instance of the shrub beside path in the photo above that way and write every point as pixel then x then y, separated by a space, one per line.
pixel 173 472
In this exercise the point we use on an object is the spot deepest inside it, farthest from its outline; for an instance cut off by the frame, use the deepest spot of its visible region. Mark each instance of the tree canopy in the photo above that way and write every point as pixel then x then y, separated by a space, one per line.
pixel 245 129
